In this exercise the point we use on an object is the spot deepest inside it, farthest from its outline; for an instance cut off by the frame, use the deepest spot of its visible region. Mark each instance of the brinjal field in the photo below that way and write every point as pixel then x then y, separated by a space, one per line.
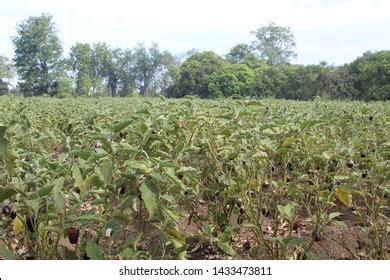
pixel 139 178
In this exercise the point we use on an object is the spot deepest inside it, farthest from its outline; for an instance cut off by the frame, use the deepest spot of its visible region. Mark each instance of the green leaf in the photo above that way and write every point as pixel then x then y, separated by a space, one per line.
pixel 281 209
pixel 82 154
pixel 295 193
pixel 76 174
pixel 50 228
pixel 168 164
pixel 7 254
pixel 93 251
pixel 173 178
pixel 254 103
pixel 334 215
pixel 290 210
pixel 344 194
pixel 171 214
pixel 33 204
pixel 52 216
pixel 288 141
pixel 128 254
pixel 107 170
pixel 3 142
pixel 89 218
pixel 227 235
pixel 120 126
pixel 309 123
pixel 7 193
pixel 150 196
pixel 58 194
pixel 226 248
pixel 18 183
pixel 287 211
pixel 45 190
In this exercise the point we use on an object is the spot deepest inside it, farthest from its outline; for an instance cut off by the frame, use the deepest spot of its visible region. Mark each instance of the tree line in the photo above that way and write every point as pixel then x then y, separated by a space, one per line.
pixel 260 69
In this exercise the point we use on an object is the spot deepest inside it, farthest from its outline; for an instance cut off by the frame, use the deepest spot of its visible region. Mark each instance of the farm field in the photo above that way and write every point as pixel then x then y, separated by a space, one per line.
pixel 111 178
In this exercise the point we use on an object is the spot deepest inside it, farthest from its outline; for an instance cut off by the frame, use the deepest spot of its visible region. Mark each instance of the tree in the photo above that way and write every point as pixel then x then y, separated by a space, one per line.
pixel 101 66
pixel 81 64
pixel 114 72
pixel 238 53
pixel 195 73
pixel 235 79
pixel 92 66
pixel 274 44
pixel 371 75
pixel 80 59
pixel 329 81
pixel 151 69
pixel 37 54
pixel 244 54
pixel 124 65
pixel 268 81
pixel 5 74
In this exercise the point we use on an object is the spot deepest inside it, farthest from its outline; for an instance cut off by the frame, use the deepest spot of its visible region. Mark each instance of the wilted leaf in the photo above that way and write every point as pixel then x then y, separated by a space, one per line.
pixel 140 167
pixel 344 195
pixel 17 225
pixel 288 141
pixel 176 235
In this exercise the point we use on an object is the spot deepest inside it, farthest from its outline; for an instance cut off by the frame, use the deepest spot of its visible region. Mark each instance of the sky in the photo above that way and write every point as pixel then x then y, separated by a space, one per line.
pixel 336 31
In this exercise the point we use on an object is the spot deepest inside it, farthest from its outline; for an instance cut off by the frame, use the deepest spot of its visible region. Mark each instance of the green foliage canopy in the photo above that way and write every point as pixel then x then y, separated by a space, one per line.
pixel 274 44
pixel 195 73
pixel 38 53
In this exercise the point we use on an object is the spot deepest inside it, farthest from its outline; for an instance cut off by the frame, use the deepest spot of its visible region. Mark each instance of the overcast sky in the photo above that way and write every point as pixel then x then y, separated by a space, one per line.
pixel 336 31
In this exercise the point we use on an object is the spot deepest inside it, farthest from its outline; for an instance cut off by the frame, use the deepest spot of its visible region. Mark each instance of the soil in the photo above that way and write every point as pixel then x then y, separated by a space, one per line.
pixel 338 242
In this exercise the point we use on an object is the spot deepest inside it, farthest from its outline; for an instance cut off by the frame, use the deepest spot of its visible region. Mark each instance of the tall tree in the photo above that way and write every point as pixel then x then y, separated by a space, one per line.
pixel 274 44
pixel 37 54
pixel 114 72
pixel 80 59
pixel 101 65
pixel 123 68
pixel 371 74
pixel 151 69
pixel 195 74
pixel 91 66
pixel 244 54
pixel 5 74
